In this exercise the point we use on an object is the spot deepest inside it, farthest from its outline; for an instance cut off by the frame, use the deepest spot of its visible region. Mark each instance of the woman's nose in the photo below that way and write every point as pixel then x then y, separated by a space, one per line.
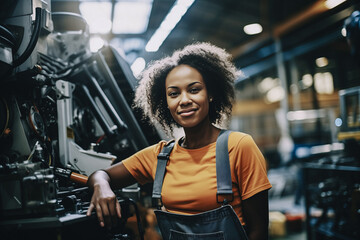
pixel 185 99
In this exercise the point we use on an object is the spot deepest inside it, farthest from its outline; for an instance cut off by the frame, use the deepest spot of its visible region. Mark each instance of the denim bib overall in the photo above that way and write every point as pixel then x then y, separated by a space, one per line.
pixel 216 224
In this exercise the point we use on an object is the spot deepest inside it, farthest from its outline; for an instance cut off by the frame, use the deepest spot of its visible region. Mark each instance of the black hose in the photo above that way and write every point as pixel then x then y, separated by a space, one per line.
pixel 6 36
pixel 6 41
pixel 33 40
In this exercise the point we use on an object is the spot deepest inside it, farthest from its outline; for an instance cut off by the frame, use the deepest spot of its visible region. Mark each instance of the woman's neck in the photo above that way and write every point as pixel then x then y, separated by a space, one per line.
pixel 200 137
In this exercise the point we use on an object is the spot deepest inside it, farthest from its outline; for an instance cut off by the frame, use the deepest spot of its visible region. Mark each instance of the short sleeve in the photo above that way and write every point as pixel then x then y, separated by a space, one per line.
pixel 142 165
pixel 249 165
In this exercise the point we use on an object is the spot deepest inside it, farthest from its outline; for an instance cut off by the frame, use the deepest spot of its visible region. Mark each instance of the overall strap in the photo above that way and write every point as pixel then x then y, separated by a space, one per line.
pixel 223 173
pixel 163 158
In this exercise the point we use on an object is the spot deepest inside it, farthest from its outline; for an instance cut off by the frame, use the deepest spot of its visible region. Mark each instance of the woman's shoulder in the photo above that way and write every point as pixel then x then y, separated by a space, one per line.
pixel 237 138
pixel 153 149
pixel 157 147
pixel 237 135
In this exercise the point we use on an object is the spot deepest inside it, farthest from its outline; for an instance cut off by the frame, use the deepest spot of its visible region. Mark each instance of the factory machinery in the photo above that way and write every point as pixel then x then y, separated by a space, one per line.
pixel 332 179
pixel 331 176
pixel 65 112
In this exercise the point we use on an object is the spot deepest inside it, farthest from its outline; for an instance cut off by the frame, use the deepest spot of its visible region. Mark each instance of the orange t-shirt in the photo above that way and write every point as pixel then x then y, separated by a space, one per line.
pixel 190 181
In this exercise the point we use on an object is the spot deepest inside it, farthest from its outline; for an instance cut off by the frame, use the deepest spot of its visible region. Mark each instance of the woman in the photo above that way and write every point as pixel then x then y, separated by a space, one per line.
pixel 192 89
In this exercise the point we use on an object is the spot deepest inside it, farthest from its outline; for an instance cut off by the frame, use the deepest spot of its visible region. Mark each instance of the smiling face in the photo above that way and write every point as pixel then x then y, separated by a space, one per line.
pixel 187 96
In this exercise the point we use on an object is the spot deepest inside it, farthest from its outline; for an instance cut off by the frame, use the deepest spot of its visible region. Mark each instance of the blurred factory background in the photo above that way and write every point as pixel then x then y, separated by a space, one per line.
pixel 298 96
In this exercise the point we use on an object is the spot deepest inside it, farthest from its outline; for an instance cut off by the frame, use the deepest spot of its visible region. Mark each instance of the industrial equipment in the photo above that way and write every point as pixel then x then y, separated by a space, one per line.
pixel 65 112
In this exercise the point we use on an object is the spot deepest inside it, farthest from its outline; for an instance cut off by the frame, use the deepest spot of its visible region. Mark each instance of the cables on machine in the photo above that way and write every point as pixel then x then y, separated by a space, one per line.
pixel 34 38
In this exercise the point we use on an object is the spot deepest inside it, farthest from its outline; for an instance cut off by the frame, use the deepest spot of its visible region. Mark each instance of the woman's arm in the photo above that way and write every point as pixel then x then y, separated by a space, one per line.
pixel 103 199
pixel 256 215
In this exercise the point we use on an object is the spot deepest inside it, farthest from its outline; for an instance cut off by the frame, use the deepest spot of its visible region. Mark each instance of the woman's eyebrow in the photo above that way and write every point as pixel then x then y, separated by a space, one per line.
pixel 194 83
pixel 171 87
pixel 191 84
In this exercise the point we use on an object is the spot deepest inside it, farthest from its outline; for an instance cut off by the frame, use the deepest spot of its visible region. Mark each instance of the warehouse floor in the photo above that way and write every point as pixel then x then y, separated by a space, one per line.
pixel 290 230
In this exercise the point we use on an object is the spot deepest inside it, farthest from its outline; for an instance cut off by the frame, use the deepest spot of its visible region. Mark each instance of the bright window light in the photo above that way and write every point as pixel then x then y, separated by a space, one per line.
pixel 178 10
pixel 326 148
pixel 138 65
pixel 97 15
pixel 333 3
pixel 131 16
pixel 305 115
pixel 252 29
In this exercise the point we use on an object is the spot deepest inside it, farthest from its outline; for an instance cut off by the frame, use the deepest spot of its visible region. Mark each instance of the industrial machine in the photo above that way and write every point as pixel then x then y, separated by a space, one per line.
pixel 332 179
pixel 65 112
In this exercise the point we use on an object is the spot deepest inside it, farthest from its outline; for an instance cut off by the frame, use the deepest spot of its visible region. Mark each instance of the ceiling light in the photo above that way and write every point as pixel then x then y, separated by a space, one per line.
pixel 252 29
pixel 275 94
pixel 307 80
pixel 324 83
pixel 97 15
pixel 333 3
pixel 178 10
pixel 343 32
pixel 138 65
pixel 131 17
pixel 322 62
pixel 338 122
pixel 267 83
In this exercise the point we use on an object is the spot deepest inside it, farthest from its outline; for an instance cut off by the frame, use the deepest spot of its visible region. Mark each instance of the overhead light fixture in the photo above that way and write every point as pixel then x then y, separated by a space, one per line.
pixel 343 32
pixel 324 83
pixel 338 122
pixel 252 29
pixel 97 15
pixel 131 16
pixel 333 3
pixel 275 94
pixel 175 14
pixel 307 80
pixel 268 83
pixel 137 66
pixel 322 62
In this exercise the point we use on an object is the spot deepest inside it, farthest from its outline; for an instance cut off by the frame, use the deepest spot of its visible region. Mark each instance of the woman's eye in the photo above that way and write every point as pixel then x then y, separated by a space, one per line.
pixel 194 90
pixel 172 94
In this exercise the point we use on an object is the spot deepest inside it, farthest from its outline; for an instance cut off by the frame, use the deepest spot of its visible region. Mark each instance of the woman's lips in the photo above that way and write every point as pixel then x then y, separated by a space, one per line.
pixel 187 112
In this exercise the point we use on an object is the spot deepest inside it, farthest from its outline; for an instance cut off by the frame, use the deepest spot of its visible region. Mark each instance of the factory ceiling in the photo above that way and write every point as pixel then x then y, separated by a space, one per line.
pixel 220 22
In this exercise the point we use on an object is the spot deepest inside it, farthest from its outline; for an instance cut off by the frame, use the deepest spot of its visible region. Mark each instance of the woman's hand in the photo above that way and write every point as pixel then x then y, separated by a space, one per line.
pixel 106 205
pixel 104 199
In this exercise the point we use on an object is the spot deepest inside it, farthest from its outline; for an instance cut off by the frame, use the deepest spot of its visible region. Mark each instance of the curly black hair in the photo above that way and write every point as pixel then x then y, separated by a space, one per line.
pixel 216 68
